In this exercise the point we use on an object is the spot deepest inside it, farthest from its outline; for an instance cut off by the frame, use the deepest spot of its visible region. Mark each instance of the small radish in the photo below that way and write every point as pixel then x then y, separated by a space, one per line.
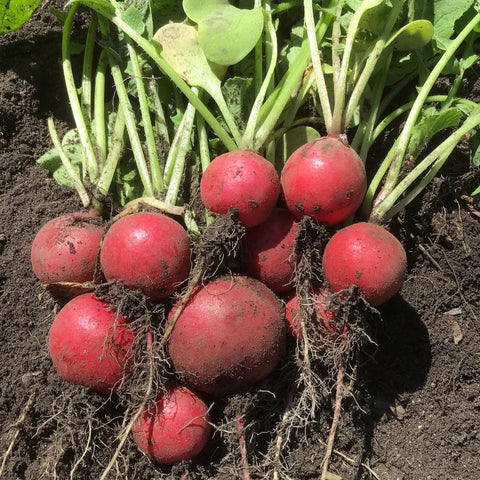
pixel 230 334
pixel 148 251
pixel 90 344
pixel 268 251
pixel 326 317
pixel 175 427
pixel 366 255
pixel 324 179
pixel 241 180
pixel 65 249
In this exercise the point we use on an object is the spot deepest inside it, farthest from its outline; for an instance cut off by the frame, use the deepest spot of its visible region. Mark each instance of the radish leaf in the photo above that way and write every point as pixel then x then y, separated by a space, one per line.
pixel 226 34
pixel 413 36
pixel 14 13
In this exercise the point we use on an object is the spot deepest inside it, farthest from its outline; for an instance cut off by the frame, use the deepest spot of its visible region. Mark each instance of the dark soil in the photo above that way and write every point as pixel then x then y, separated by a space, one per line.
pixel 415 414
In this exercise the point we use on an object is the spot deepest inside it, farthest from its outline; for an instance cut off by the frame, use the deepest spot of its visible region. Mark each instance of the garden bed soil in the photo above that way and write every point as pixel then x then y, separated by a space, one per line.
pixel 416 413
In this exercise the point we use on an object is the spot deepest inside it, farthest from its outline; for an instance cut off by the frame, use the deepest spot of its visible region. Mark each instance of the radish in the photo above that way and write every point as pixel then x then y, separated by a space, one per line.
pixel 90 344
pixel 65 249
pixel 269 251
pixel 230 334
pixel 148 251
pixel 366 255
pixel 326 317
pixel 241 180
pixel 325 180
pixel 175 427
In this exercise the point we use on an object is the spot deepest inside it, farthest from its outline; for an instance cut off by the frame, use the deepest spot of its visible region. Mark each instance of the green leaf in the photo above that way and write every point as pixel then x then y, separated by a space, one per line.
pixel 374 19
pixel 180 48
pixel 14 13
pixel 52 162
pixel 412 36
pixel 127 184
pixel 430 124
pixel 445 14
pixel 226 34
pixel 239 96
pixel 134 18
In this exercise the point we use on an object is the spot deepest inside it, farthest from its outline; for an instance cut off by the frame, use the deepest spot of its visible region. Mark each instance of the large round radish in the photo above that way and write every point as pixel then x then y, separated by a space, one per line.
pixel 148 251
pixel 230 334
pixel 366 255
pixel 65 249
pixel 90 344
pixel 241 180
pixel 175 427
pixel 268 251
pixel 320 299
pixel 324 179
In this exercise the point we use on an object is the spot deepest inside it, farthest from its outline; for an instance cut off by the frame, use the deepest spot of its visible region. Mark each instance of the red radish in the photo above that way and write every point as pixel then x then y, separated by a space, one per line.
pixel 242 180
pixel 173 428
pixel 90 344
pixel 327 317
pixel 324 179
pixel 269 251
pixel 148 251
pixel 230 334
pixel 65 249
pixel 366 255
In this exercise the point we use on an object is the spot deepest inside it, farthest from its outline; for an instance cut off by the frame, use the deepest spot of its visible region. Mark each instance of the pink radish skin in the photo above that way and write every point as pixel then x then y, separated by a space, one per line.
pixel 231 334
pixel 269 251
pixel 324 179
pixel 366 255
pixel 174 428
pixel 148 251
pixel 242 180
pixel 65 249
pixel 90 344
pixel 326 317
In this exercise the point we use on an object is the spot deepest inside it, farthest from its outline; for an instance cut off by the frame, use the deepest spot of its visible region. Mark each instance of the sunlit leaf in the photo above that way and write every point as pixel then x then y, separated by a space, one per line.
pixel 14 13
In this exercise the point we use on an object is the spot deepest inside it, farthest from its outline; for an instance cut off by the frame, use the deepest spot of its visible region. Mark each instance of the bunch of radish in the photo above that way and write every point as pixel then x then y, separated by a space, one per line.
pixel 225 333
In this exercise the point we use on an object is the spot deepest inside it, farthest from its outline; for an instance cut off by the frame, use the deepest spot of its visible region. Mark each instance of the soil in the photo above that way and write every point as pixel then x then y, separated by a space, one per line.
pixel 416 407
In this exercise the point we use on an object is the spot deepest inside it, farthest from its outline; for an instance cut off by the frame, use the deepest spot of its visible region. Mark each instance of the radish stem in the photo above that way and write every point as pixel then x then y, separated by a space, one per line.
pixel 89 162
pixel 131 125
pixel 72 173
pixel 157 180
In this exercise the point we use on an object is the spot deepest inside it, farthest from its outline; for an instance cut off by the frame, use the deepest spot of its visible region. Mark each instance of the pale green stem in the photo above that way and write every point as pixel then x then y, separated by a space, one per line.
pixel 370 64
pixel 275 105
pixel 336 32
pixel 117 145
pixel 89 161
pixel 99 110
pixel 131 124
pixel 317 65
pixel 365 137
pixel 184 145
pixel 439 154
pixel 396 156
pixel 306 87
pixel 248 135
pixel 151 50
pixel 183 130
pixel 71 172
pixel 86 91
pixel 157 180
pixel 399 111
pixel 160 120
pixel 204 151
